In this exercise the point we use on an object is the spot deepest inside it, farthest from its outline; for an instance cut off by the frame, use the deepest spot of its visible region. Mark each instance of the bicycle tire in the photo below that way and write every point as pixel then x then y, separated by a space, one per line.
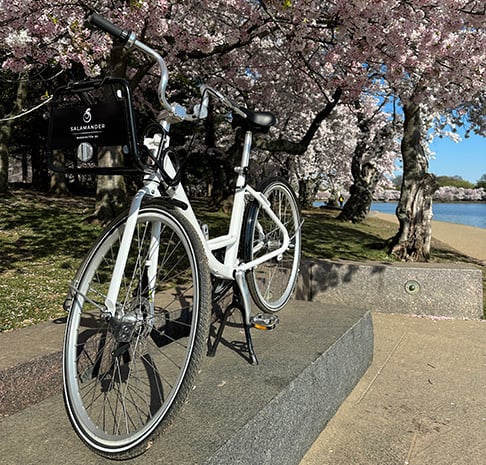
pixel 125 380
pixel 271 284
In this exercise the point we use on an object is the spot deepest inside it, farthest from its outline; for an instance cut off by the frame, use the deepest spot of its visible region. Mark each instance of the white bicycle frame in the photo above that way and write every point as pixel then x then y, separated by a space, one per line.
pixel 230 268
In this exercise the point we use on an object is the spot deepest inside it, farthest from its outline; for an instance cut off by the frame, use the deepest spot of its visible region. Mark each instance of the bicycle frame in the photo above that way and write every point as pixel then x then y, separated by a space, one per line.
pixel 230 268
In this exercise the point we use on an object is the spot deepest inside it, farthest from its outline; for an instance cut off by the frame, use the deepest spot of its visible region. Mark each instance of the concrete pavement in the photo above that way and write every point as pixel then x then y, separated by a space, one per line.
pixel 422 401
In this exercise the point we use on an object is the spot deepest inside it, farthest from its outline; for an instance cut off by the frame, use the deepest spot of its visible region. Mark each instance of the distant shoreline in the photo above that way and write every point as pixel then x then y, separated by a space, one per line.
pixel 435 201
pixel 467 213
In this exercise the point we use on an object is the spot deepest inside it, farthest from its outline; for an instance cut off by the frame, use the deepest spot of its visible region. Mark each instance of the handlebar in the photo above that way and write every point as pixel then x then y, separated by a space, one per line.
pixel 177 112
pixel 107 26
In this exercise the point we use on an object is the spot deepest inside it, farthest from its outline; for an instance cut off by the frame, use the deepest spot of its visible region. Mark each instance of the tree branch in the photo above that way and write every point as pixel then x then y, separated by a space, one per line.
pixel 298 148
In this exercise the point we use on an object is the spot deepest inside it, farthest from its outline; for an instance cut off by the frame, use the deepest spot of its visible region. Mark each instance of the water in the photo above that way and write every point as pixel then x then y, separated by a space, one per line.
pixel 470 213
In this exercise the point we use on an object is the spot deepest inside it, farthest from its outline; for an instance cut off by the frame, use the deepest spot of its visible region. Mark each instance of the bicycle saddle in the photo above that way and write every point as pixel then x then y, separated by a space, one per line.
pixel 255 121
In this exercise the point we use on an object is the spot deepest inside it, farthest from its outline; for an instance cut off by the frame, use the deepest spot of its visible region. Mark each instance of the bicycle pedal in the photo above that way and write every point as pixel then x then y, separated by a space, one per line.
pixel 264 321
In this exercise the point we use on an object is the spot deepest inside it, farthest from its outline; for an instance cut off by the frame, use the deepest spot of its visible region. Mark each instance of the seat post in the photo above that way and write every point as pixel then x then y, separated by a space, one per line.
pixel 245 156
pixel 245 160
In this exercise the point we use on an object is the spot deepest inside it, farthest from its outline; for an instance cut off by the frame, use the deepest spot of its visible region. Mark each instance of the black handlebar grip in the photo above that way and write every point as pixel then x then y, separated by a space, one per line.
pixel 109 27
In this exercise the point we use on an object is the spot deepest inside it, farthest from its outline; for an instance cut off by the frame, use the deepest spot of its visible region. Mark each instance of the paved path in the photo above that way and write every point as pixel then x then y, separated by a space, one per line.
pixel 468 240
pixel 423 400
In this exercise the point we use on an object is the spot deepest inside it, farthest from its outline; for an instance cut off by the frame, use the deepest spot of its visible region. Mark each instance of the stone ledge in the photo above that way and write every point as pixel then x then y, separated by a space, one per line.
pixel 423 289
pixel 238 413
pixel 30 365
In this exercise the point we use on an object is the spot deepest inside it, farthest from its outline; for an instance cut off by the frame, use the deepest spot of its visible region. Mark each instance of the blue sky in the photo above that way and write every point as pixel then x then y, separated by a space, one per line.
pixel 466 158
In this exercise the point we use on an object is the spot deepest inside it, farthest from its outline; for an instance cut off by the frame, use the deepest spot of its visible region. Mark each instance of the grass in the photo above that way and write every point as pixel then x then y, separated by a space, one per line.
pixel 326 238
pixel 42 241
pixel 44 238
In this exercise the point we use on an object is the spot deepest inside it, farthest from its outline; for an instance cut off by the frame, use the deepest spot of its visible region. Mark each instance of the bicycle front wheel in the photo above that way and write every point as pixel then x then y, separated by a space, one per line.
pixel 271 284
pixel 125 376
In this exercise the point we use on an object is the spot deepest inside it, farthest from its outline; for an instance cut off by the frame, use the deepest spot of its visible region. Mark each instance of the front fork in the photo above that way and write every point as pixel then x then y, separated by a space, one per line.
pixel 123 252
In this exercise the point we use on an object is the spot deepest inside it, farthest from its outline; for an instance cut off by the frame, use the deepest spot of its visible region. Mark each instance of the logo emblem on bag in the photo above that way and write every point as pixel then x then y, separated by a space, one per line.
pixel 87 115
pixel 88 130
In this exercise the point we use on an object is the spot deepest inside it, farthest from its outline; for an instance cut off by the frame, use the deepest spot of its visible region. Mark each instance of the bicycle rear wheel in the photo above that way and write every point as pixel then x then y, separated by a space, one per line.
pixel 271 284
pixel 126 376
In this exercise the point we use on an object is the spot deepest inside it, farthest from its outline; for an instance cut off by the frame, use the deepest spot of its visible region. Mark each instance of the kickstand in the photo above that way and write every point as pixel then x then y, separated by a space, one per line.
pixel 235 305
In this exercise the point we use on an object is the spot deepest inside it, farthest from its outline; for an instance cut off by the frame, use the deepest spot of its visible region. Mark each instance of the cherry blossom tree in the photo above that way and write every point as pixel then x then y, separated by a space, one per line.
pixel 231 43
pixel 35 45
pixel 432 57
pixel 301 58
pixel 55 35
pixel 374 156
pixel 328 159
pixel 453 194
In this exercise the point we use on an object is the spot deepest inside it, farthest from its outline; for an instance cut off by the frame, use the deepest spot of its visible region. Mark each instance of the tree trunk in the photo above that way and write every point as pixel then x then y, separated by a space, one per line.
pixel 366 174
pixel 414 211
pixel 110 190
pixel 365 179
pixel 110 198
pixel 40 172
pixel 307 193
pixel 303 193
pixel 5 132
pixel 58 184
pixel 361 193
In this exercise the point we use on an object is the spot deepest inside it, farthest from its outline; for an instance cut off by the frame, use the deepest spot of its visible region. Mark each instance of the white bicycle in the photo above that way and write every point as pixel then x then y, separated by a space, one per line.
pixel 140 303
